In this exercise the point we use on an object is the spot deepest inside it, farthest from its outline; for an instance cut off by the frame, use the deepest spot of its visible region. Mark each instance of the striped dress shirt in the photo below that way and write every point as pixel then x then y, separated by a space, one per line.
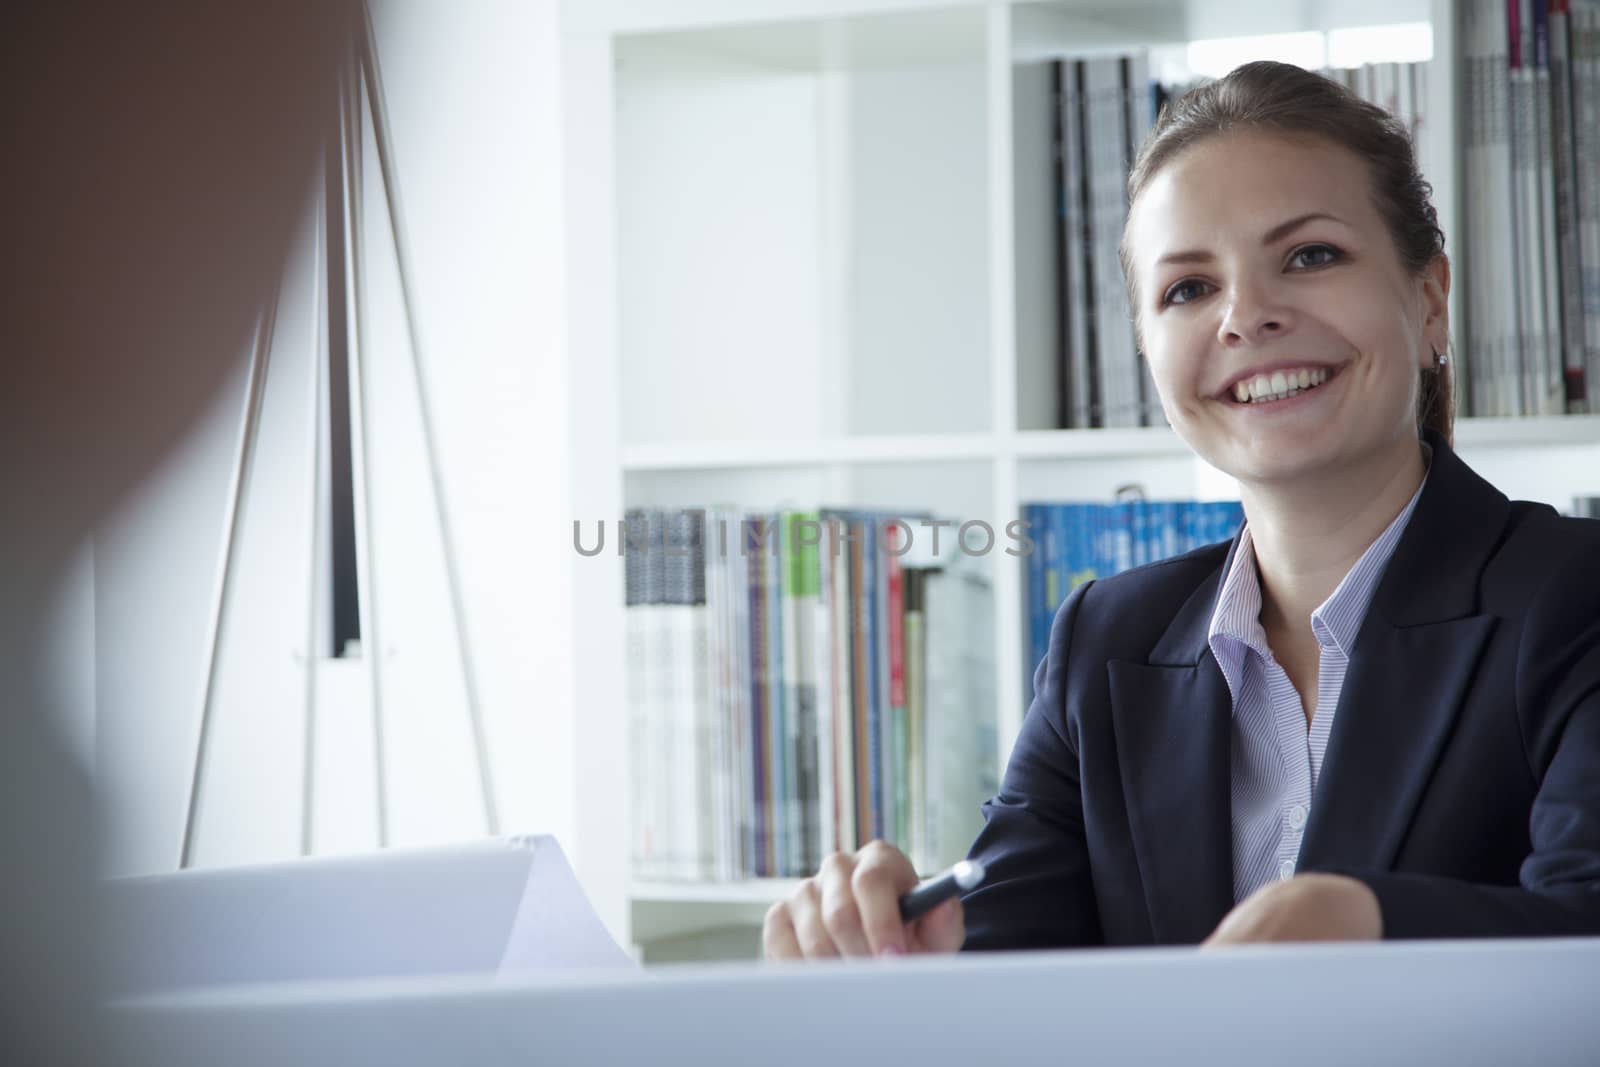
pixel 1276 757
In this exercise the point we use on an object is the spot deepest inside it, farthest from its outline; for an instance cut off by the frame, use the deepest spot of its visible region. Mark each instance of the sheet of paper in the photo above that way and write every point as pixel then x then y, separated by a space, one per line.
pixel 482 907
pixel 556 928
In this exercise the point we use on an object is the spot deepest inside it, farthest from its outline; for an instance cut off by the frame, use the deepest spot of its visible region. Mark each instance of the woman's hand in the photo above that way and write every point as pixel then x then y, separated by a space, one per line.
pixel 852 908
pixel 1307 907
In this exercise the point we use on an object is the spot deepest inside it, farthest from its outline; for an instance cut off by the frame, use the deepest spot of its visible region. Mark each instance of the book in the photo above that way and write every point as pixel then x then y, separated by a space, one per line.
pixel 800 598
pixel 1076 407
pixel 1551 384
pixel 962 767
pixel 633 538
pixel 916 663
pixel 841 619
pixel 1105 115
pixel 779 689
pixel 764 796
pixel 1585 73
pixel 898 791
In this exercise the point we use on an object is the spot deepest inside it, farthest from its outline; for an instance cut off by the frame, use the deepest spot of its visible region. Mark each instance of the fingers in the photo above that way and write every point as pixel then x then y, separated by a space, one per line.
pixel 778 940
pixel 1244 924
pixel 805 910
pixel 882 874
pixel 944 929
pixel 852 908
pixel 840 914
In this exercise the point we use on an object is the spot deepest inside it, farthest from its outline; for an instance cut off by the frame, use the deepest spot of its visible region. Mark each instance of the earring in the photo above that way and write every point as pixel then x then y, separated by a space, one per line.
pixel 1440 360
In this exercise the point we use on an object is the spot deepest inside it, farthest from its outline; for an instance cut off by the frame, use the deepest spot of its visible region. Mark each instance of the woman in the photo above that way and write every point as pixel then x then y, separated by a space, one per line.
pixel 1376 713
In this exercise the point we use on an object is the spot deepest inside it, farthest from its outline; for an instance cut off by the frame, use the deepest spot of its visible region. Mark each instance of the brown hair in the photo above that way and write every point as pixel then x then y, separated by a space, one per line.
pixel 1283 98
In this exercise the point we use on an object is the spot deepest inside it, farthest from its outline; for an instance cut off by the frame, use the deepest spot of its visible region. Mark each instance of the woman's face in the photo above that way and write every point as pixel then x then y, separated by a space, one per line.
pixel 1282 330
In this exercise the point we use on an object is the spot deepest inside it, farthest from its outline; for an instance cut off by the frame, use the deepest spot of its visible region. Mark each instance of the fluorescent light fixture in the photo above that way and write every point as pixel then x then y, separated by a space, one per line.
pixel 1408 42
pixel 1218 56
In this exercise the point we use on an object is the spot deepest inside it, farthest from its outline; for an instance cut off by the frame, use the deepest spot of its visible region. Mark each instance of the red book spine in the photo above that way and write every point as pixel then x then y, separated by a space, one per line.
pixel 1514 32
pixel 897 630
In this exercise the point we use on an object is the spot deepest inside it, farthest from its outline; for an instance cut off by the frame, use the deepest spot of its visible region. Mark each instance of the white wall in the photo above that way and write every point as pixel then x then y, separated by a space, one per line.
pixel 718 276
pixel 473 95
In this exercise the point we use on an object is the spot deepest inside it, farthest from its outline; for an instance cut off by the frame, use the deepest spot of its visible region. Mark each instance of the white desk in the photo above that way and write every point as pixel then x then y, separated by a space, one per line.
pixel 1501 1003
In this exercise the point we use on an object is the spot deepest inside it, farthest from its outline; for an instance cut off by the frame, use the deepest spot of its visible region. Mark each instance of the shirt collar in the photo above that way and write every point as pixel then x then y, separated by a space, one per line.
pixel 1236 620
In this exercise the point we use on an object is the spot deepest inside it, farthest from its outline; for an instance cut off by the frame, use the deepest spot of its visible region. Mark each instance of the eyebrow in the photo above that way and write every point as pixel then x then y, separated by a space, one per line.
pixel 1277 233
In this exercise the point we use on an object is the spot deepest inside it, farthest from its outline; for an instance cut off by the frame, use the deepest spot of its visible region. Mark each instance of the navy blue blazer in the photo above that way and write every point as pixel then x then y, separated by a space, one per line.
pixel 1461 781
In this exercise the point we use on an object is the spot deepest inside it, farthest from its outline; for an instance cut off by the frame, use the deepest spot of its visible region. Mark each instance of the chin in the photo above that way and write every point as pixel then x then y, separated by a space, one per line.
pixel 1266 462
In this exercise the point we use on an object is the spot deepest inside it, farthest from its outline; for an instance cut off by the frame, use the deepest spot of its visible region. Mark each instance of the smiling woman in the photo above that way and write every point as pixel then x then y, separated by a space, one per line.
pixel 1375 712
pixel 1279 226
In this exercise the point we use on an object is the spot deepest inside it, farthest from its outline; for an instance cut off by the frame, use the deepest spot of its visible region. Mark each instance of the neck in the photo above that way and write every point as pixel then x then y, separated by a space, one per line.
pixel 1309 532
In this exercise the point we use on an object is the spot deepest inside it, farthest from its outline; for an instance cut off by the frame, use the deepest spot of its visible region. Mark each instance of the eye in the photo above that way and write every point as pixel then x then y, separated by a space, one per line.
pixel 1309 257
pixel 1183 291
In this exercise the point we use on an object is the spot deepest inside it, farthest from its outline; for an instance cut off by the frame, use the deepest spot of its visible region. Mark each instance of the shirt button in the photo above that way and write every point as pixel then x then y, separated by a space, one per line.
pixel 1286 869
pixel 1297 816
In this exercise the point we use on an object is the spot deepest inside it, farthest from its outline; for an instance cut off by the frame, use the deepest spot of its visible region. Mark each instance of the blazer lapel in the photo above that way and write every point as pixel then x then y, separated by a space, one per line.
pixel 1173 723
pixel 1410 671
pixel 1399 702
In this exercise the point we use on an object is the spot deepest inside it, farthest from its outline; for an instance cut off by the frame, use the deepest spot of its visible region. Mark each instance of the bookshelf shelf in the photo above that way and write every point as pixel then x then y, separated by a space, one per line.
pixel 1098 444
pixel 1094 445
pixel 765 891
pixel 664 911
pixel 1528 432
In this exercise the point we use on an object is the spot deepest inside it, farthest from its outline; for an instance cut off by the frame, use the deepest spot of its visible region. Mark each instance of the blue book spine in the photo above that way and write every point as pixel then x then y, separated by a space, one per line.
pixel 1171 541
pixel 1058 549
pixel 1122 538
pixel 1038 607
pixel 1105 518
pixel 1094 515
pixel 1145 549
pixel 1077 549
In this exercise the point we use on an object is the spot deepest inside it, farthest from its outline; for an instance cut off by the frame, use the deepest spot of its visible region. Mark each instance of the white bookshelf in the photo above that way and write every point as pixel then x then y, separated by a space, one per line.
pixel 1152 441
pixel 802 274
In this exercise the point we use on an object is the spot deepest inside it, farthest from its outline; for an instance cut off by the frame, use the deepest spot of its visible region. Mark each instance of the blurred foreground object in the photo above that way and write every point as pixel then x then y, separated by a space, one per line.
pixel 158 156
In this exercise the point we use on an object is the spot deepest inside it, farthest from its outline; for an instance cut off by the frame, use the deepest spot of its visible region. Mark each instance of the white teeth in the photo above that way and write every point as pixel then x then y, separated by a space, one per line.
pixel 1278 385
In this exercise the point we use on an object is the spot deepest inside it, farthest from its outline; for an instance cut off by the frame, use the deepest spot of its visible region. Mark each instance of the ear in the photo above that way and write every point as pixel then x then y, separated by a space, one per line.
pixel 1435 307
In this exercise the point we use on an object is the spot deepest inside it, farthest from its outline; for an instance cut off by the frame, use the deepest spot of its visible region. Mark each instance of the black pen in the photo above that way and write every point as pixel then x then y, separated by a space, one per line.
pixel 935 891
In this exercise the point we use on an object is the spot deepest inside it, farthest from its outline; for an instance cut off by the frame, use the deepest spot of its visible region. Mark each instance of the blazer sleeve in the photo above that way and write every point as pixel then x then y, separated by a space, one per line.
pixel 1037 892
pixel 1558 705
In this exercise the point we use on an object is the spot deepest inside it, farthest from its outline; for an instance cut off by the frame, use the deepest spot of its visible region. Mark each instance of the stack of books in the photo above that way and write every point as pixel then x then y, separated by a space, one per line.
pixel 1102 109
pixel 1076 543
pixel 1530 116
pixel 800 683
pixel 1399 88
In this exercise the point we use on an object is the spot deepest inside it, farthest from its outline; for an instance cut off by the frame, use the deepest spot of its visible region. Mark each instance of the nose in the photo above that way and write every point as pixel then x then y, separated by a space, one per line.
pixel 1251 316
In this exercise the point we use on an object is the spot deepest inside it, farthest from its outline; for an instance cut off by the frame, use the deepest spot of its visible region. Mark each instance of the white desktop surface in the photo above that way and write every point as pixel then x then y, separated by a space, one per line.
pixel 1486 1002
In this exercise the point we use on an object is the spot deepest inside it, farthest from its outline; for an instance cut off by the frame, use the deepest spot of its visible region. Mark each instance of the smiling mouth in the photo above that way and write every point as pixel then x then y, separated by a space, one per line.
pixel 1279 385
